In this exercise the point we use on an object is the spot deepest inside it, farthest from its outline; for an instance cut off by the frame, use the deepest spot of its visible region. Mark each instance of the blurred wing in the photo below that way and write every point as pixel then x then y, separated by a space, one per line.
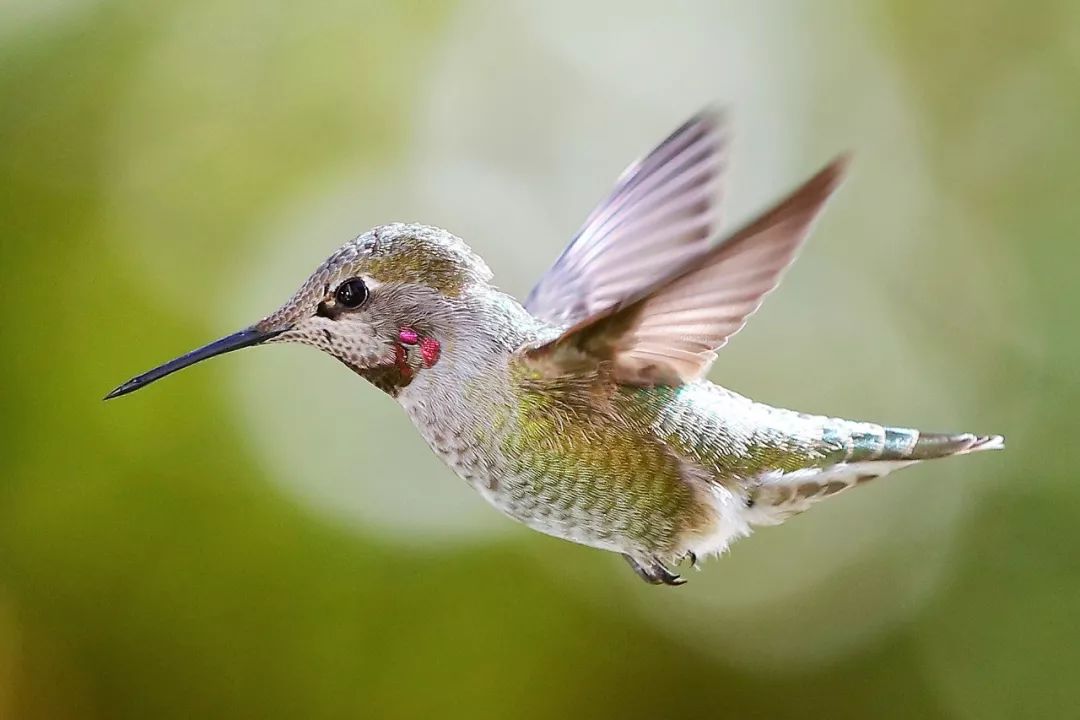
pixel 662 213
pixel 668 334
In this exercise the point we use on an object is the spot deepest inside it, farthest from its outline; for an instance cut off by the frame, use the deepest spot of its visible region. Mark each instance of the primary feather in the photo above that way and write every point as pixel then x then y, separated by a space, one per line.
pixel 663 212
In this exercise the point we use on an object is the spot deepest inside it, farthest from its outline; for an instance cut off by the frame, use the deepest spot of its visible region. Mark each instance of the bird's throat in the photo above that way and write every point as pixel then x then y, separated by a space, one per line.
pixel 413 353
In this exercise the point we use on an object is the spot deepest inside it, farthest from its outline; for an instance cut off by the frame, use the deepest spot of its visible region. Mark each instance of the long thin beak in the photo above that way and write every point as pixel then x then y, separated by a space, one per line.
pixel 245 338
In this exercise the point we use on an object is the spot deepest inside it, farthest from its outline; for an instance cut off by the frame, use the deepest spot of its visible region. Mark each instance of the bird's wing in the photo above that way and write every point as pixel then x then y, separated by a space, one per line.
pixel 667 333
pixel 663 211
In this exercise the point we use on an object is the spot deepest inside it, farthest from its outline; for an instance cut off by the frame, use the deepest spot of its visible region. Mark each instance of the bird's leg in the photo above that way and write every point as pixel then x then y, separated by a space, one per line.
pixel 654 572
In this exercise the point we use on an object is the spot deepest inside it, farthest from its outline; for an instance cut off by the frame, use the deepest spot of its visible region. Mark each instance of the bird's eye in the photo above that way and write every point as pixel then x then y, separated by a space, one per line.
pixel 352 293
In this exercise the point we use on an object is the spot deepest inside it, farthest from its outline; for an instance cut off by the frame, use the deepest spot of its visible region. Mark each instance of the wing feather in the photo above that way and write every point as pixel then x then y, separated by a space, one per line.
pixel 668 332
pixel 663 212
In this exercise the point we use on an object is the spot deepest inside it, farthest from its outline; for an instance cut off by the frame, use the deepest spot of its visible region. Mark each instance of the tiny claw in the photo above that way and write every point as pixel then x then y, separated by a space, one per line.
pixel 667 577
pixel 655 572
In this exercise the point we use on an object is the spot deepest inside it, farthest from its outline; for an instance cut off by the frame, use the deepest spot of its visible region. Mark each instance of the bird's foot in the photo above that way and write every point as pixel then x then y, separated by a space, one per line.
pixel 654 572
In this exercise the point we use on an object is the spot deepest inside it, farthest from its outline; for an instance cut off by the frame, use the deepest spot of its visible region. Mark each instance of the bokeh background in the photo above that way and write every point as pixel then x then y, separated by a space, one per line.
pixel 265 535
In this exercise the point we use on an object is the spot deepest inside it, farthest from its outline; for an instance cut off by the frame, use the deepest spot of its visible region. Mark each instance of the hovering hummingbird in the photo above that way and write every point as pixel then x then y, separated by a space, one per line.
pixel 584 412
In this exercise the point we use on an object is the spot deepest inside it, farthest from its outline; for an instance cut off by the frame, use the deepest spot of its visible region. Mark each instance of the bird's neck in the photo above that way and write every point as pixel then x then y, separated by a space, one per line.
pixel 469 382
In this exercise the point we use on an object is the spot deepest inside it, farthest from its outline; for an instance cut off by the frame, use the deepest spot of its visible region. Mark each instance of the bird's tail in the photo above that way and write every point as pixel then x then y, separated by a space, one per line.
pixel 859 452
pixel 927 446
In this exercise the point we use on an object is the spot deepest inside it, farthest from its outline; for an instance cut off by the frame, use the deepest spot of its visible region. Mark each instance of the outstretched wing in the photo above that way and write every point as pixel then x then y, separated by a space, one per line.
pixel 662 212
pixel 667 333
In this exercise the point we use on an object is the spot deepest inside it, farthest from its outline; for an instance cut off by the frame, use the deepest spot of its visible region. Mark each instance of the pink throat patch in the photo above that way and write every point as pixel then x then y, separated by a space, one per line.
pixel 430 351
pixel 430 348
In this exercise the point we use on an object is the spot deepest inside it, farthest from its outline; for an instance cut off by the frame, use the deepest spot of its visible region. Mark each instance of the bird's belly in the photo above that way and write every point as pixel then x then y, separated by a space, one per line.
pixel 641 513
pixel 511 496
pixel 516 495
pixel 597 483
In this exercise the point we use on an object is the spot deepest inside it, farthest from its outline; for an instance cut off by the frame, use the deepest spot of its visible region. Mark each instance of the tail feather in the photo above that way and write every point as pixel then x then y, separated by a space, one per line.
pixel 935 445
pixel 779 495
pixel 874 442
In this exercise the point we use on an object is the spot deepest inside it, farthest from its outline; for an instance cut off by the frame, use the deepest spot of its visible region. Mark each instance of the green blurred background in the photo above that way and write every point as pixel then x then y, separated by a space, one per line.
pixel 265 536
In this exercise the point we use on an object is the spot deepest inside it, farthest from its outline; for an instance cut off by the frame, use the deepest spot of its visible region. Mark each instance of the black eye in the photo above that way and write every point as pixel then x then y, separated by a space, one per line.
pixel 351 294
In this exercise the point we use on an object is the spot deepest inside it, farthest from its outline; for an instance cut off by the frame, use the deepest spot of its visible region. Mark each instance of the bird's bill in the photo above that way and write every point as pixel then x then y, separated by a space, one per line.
pixel 245 338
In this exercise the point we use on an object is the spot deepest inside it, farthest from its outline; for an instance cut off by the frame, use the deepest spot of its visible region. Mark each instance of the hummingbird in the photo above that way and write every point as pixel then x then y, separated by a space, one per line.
pixel 584 412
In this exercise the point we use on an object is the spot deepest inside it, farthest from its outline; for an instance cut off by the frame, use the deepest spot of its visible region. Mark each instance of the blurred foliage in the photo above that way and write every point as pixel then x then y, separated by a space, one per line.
pixel 152 562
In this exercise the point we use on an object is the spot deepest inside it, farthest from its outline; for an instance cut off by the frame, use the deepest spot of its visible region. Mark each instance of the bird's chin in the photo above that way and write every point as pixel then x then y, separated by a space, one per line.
pixel 390 375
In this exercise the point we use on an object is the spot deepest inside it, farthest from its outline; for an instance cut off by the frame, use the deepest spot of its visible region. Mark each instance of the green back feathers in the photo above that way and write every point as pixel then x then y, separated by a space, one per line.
pixel 728 435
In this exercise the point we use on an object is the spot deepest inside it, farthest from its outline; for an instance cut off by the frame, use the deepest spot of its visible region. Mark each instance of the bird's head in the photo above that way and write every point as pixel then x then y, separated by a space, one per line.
pixel 385 304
